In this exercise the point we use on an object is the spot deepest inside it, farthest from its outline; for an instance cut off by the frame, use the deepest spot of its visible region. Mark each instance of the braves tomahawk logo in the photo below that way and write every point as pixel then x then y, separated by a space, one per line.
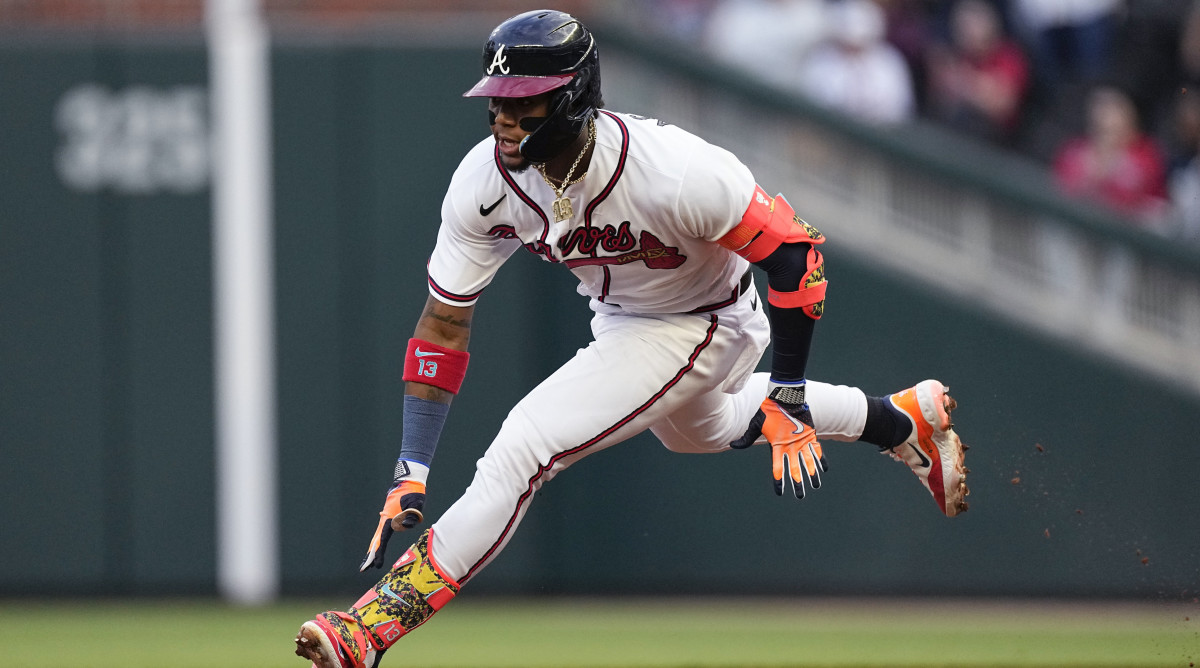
pixel 653 252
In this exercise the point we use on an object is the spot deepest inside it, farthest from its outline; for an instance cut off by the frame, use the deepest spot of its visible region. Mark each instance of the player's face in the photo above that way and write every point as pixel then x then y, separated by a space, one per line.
pixel 507 127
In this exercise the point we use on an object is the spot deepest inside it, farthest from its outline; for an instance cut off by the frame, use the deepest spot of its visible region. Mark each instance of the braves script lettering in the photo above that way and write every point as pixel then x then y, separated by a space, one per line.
pixel 585 239
pixel 652 251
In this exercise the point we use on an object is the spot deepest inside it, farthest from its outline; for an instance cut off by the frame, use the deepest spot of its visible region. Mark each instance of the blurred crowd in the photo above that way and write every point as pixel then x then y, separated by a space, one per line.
pixel 1104 93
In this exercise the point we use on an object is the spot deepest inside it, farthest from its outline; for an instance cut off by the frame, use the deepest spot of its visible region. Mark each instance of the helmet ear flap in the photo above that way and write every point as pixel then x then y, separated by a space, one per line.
pixel 565 120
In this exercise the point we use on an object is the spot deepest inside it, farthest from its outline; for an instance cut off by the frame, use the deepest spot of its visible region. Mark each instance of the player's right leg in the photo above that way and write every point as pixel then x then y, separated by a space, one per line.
pixel 637 369
pixel 402 600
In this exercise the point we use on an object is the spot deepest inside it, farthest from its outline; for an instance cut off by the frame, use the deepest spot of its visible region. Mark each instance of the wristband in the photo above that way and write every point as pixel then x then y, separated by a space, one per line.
pixel 435 365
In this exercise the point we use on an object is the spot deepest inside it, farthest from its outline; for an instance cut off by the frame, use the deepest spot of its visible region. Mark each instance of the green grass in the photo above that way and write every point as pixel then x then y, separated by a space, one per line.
pixel 489 632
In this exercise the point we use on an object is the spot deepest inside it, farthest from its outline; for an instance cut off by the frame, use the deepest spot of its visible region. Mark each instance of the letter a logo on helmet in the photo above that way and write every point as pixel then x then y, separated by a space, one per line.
pixel 498 61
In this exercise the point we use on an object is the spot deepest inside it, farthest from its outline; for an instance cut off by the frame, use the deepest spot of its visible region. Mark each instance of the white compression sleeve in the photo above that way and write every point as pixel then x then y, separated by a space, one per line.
pixel 839 411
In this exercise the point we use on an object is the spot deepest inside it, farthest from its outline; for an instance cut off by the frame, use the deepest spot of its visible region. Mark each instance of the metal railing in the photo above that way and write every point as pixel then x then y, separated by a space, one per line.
pixel 965 219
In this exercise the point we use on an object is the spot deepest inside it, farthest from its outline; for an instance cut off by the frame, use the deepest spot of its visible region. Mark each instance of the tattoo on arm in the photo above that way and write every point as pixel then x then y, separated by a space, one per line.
pixel 449 320
pixel 423 391
pixel 445 325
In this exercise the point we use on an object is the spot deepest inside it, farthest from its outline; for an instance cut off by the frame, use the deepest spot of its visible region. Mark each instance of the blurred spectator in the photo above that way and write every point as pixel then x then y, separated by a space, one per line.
pixel 1184 165
pixel 1180 125
pixel 1070 40
pixel 767 37
pixel 978 80
pixel 910 28
pixel 1114 163
pixel 684 20
pixel 1182 136
pixel 1185 201
pixel 855 70
pixel 1189 44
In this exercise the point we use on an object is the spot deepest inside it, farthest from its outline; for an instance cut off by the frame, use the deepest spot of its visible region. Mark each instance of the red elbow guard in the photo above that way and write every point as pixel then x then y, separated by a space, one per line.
pixel 767 223
pixel 435 365
pixel 811 295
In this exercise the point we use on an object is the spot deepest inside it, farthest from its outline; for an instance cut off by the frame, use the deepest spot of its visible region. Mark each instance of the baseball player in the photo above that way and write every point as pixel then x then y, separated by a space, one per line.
pixel 660 228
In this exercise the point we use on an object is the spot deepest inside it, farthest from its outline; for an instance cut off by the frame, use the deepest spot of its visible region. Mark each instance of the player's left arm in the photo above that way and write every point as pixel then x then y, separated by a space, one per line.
pixel 772 237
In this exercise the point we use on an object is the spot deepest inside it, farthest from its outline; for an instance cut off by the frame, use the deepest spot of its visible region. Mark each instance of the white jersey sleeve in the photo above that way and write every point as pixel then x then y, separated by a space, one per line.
pixel 714 193
pixel 469 251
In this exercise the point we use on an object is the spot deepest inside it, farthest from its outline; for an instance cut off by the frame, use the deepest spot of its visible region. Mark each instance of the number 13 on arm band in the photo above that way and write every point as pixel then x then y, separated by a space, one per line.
pixel 435 365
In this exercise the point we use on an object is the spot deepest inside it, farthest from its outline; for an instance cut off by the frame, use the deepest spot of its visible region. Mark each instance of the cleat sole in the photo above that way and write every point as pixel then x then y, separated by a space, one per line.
pixel 959 503
pixel 314 645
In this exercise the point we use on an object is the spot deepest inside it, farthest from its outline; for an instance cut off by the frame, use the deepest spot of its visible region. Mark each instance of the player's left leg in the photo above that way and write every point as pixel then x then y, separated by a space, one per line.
pixel 710 422
pixel 932 449
pixel 912 426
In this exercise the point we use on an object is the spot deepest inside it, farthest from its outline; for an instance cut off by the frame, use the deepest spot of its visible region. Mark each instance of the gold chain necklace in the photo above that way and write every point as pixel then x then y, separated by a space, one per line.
pixel 562 205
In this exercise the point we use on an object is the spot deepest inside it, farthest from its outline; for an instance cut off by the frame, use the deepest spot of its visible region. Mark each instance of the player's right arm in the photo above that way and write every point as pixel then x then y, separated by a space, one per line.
pixel 462 264
pixel 434 365
pixel 446 326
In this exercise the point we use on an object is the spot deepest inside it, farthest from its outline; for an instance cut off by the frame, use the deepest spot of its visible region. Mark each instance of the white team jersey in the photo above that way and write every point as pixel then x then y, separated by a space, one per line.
pixel 655 199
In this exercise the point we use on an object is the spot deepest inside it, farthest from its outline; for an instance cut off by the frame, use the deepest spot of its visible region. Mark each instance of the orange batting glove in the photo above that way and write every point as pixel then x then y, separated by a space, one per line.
pixel 786 423
pixel 401 509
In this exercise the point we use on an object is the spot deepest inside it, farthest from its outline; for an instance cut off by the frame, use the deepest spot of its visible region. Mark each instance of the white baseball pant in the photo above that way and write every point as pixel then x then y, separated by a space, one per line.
pixel 689 378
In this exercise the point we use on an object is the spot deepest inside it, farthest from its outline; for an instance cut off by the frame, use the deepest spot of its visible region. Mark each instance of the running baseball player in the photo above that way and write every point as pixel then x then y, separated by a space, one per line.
pixel 660 228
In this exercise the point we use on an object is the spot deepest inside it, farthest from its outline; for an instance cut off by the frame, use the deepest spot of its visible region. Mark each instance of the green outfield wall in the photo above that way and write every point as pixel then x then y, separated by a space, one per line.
pixel 1083 473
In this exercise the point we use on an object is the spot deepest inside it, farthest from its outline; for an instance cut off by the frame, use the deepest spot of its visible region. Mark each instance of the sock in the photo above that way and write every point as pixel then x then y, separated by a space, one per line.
pixel 887 426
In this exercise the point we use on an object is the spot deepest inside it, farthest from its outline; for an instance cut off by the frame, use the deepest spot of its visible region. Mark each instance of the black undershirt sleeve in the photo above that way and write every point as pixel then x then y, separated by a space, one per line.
pixel 791 328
